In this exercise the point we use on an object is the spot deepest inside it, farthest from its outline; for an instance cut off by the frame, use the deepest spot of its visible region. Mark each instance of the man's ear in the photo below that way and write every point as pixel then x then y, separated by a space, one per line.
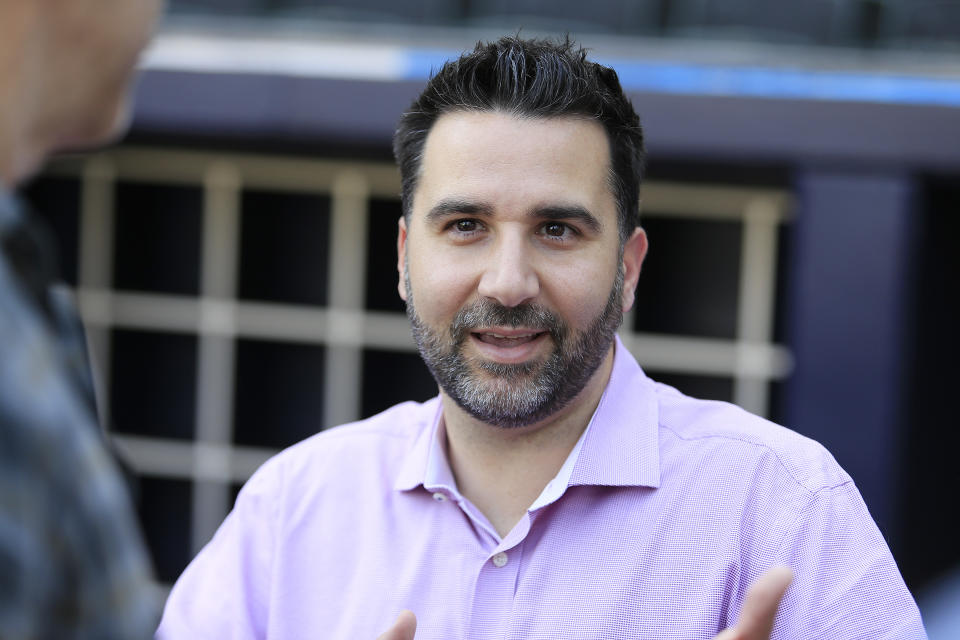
pixel 402 256
pixel 634 252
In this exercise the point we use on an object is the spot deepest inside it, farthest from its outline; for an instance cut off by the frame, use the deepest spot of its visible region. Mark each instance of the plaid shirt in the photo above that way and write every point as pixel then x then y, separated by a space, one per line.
pixel 72 564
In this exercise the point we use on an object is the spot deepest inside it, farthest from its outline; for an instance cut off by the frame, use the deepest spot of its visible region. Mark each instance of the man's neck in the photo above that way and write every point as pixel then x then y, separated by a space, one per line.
pixel 9 128
pixel 16 163
pixel 22 148
pixel 503 470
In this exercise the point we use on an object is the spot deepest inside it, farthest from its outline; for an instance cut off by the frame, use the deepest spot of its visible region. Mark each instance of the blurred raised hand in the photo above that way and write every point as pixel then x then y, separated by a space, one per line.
pixel 759 607
pixel 403 628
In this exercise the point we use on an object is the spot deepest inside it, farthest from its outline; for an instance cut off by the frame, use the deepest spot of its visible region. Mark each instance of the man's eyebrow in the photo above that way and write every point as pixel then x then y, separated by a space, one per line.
pixel 572 212
pixel 454 206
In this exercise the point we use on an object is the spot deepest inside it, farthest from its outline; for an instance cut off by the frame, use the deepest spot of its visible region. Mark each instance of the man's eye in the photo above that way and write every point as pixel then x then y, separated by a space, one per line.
pixel 466 226
pixel 555 229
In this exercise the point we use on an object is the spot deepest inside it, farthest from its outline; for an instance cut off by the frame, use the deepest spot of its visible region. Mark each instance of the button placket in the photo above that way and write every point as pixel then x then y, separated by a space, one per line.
pixel 494 590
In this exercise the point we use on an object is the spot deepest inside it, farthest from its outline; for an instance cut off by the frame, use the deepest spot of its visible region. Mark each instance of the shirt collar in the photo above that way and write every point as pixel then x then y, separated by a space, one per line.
pixel 618 448
pixel 9 207
pixel 426 450
pixel 621 447
pixel 438 476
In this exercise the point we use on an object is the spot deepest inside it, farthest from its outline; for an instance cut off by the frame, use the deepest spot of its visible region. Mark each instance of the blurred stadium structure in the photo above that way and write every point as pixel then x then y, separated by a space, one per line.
pixel 234 259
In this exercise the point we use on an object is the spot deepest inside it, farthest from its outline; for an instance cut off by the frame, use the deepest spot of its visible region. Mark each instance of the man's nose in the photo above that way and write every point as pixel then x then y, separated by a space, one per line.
pixel 509 276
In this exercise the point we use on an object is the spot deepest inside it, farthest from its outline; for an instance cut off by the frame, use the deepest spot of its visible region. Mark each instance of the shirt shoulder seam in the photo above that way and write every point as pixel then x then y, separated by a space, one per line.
pixel 811 499
pixel 813 491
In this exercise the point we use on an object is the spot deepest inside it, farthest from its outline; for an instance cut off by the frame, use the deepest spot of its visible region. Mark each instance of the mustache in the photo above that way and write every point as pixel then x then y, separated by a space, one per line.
pixel 486 313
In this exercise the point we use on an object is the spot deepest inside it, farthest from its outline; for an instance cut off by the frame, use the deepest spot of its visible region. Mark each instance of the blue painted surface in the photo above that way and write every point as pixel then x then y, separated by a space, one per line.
pixel 850 256
pixel 747 81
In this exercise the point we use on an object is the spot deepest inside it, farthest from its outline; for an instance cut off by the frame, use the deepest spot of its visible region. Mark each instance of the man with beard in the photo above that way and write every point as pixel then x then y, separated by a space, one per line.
pixel 552 490
pixel 72 564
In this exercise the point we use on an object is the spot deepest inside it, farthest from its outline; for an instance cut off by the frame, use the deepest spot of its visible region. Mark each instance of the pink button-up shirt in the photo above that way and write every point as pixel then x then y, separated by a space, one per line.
pixel 664 513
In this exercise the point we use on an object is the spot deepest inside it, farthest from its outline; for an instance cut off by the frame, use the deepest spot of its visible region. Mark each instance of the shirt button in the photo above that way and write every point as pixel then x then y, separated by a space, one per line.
pixel 439 497
pixel 500 559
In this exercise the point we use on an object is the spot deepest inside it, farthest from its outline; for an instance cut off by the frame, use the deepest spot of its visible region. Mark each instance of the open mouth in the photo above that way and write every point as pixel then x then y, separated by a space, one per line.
pixel 508 339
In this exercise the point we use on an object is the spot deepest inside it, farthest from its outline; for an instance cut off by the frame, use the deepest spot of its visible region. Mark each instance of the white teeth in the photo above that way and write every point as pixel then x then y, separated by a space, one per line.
pixel 497 335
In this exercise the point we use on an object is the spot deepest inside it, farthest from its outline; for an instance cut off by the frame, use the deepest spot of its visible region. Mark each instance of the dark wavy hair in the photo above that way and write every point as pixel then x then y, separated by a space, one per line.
pixel 530 78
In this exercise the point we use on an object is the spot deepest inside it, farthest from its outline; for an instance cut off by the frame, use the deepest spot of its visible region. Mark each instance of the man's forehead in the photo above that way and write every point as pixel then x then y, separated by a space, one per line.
pixel 459 123
pixel 490 150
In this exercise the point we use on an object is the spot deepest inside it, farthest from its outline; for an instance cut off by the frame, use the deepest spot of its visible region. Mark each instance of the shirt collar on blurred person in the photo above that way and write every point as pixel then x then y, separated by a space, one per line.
pixel 8 207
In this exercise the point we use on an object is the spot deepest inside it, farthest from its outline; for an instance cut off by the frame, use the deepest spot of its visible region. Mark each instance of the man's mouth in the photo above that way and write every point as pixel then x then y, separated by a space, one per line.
pixel 512 338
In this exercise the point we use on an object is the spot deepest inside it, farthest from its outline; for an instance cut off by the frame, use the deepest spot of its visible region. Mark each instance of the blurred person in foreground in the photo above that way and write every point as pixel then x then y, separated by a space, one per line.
pixel 552 490
pixel 72 564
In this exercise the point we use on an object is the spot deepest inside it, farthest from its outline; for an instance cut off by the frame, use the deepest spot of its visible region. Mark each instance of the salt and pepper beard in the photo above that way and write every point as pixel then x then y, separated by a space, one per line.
pixel 515 395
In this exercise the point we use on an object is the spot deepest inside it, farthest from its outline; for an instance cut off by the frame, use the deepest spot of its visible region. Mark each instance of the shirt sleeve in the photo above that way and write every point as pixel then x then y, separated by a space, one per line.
pixel 846 583
pixel 72 564
pixel 104 577
pixel 225 591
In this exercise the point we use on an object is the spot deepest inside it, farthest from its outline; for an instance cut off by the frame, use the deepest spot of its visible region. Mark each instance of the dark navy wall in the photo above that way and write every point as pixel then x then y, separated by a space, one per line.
pixel 850 279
